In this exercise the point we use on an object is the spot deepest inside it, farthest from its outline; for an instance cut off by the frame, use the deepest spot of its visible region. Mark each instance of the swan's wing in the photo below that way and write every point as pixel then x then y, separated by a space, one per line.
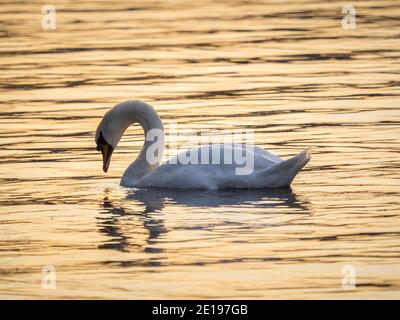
pixel 267 155
pixel 203 171
pixel 210 153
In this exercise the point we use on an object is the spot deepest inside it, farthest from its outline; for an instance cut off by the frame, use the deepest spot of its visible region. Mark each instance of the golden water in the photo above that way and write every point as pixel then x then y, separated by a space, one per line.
pixel 287 69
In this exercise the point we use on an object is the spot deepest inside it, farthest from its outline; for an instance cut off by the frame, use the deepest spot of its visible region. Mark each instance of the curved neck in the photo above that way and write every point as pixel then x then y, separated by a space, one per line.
pixel 151 152
pixel 154 137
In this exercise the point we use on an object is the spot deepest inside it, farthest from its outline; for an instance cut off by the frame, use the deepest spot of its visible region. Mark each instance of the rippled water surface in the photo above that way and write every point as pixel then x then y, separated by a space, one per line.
pixel 287 69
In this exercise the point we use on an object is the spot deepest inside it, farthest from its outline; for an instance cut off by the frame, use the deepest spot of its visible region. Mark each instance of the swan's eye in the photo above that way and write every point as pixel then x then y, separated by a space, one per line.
pixel 100 141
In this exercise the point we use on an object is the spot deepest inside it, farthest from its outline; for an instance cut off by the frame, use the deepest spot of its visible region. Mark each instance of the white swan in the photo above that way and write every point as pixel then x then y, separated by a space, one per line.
pixel 269 171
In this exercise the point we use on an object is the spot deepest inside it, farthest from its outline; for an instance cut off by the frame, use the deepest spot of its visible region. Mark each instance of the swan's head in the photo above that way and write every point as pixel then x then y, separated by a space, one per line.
pixel 117 120
pixel 104 146
pixel 110 130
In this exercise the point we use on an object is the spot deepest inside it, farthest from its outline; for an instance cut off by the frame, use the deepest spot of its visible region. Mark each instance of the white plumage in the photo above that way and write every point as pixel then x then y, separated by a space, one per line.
pixel 268 170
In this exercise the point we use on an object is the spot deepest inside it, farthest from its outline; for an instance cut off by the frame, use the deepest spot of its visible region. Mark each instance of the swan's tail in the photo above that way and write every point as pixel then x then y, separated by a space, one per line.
pixel 283 173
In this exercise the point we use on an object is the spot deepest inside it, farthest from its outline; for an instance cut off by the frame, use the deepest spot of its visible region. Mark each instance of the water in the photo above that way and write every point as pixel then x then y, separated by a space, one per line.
pixel 288 70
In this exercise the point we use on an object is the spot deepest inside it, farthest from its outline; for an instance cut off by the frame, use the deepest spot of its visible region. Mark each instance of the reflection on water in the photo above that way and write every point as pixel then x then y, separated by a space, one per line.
pixel 115 222
pixel 287 70
pixel 154 200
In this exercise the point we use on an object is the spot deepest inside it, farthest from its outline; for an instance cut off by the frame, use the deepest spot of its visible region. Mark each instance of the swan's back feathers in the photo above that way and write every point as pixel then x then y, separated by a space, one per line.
pixel 269 171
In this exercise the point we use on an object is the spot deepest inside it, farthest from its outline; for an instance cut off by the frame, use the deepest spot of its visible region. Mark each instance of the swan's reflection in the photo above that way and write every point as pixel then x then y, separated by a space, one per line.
pixel 137 223
pixel 129 229
pixel 110 226
pixel 256 198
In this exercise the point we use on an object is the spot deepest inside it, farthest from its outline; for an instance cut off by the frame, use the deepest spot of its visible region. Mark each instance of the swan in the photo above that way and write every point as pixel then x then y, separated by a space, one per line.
pixel 268 170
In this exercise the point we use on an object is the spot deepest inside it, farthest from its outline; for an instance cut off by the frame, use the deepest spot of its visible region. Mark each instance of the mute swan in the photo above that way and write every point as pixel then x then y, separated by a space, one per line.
pixel 268 171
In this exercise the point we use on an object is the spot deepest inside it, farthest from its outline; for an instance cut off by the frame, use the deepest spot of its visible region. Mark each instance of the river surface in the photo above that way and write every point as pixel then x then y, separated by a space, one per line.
pixel 288 70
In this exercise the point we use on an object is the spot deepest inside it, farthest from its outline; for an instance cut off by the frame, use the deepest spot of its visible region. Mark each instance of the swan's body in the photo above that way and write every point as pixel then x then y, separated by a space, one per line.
pixel 268 170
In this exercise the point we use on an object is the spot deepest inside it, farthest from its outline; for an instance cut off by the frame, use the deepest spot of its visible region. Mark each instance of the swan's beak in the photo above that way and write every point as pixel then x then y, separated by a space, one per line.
pixel 106 151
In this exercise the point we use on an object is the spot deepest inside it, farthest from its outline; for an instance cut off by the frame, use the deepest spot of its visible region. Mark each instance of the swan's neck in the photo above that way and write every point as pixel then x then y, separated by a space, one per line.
pixel 147 159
